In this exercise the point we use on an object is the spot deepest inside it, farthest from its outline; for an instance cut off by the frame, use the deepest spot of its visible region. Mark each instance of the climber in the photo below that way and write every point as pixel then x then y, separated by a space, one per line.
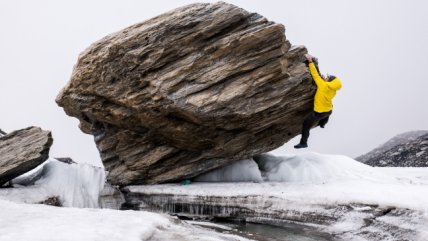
pixel 327 85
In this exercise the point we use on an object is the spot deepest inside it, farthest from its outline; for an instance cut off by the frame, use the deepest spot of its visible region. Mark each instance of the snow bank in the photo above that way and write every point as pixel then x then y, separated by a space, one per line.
pixel 23 222
pixel 320 179
pixel 411 192
pixel 315 168
pixel 240 171
pixel 302 168
pixel 77 185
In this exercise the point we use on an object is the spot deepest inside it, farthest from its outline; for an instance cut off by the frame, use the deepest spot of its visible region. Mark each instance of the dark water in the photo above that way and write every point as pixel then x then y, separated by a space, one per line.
pixel 290 232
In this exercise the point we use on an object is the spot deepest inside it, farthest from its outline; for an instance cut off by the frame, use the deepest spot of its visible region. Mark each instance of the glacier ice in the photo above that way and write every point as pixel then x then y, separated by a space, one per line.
pixel 305 168
pixel 77 185
pixel 316 168
pixel 240 171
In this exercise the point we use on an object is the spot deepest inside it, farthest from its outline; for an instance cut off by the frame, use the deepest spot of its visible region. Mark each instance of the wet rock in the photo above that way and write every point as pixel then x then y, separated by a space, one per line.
pixel 23 150
pixel 52 201
pixel 189 91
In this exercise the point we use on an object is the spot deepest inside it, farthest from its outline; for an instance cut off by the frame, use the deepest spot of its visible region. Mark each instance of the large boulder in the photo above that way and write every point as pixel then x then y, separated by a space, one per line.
pixel 189 91
pixel 22 151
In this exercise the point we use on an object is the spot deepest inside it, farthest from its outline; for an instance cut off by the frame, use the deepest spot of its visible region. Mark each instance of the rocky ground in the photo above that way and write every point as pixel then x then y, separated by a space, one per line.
pixel 409 149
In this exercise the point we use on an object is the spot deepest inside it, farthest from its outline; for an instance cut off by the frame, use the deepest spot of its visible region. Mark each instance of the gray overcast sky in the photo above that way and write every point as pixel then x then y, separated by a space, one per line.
pixel 378 48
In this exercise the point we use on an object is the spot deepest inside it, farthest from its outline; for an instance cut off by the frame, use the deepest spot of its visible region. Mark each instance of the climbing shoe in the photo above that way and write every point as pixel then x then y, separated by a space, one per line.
pixel 301 145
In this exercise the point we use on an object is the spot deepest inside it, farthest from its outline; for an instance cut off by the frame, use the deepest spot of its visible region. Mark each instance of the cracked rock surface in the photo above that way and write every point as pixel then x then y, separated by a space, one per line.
pixel 189 91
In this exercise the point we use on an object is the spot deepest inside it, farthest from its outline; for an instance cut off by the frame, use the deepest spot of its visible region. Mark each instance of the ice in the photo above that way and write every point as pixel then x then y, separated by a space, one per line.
pixel 314 178
pixel 301 168
pixel 315 168
pixel 302 183
pixel 77 185
pixel 23 222
pixel 240 171
pixel 30 177
pixel 209 224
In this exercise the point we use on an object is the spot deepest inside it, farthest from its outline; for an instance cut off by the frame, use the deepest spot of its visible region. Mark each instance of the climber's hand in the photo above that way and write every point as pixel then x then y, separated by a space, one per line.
pixel 309 57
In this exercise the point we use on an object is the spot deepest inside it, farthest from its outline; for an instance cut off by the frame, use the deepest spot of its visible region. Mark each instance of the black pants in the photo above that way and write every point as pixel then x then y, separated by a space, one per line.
pixel 311 120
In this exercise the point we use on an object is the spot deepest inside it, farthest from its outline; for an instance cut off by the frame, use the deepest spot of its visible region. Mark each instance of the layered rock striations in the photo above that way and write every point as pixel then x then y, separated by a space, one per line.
pixel 189 91
pixel 23 150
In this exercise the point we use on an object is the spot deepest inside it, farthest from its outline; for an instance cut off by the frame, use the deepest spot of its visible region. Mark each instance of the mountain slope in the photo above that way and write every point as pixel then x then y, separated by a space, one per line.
pixel 409 149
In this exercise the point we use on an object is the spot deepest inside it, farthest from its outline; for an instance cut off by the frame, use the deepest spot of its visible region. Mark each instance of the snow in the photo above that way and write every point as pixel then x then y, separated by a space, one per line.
pixel 315 168
pixel 313 178
pixel 23 222
pixel 410 175
pixel 420 153
pixel 77 185
pixel 300 168
pixel 240 171
pixel 299 182
pixel 312 182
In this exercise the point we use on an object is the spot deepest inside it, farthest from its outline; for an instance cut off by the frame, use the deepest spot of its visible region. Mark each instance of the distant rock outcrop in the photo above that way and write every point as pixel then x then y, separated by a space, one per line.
pixel 66 160
pixel 52 201
pixel 189 91
pixel 408 149
pixel 23 150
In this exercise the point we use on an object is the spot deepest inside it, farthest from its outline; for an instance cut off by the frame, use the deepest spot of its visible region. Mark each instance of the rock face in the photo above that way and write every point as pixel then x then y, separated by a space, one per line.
pixel 23 150
pixel 189 91
pixel 408 149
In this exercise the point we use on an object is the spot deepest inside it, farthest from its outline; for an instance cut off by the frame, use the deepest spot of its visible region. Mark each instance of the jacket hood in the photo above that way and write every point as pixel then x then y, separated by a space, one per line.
pixel 335 84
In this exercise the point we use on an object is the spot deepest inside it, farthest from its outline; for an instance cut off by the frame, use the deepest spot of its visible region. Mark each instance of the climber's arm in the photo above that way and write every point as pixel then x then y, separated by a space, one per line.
pixel 314 72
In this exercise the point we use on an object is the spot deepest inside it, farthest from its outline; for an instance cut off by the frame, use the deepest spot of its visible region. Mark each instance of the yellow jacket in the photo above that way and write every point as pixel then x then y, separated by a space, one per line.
pixel 325 91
